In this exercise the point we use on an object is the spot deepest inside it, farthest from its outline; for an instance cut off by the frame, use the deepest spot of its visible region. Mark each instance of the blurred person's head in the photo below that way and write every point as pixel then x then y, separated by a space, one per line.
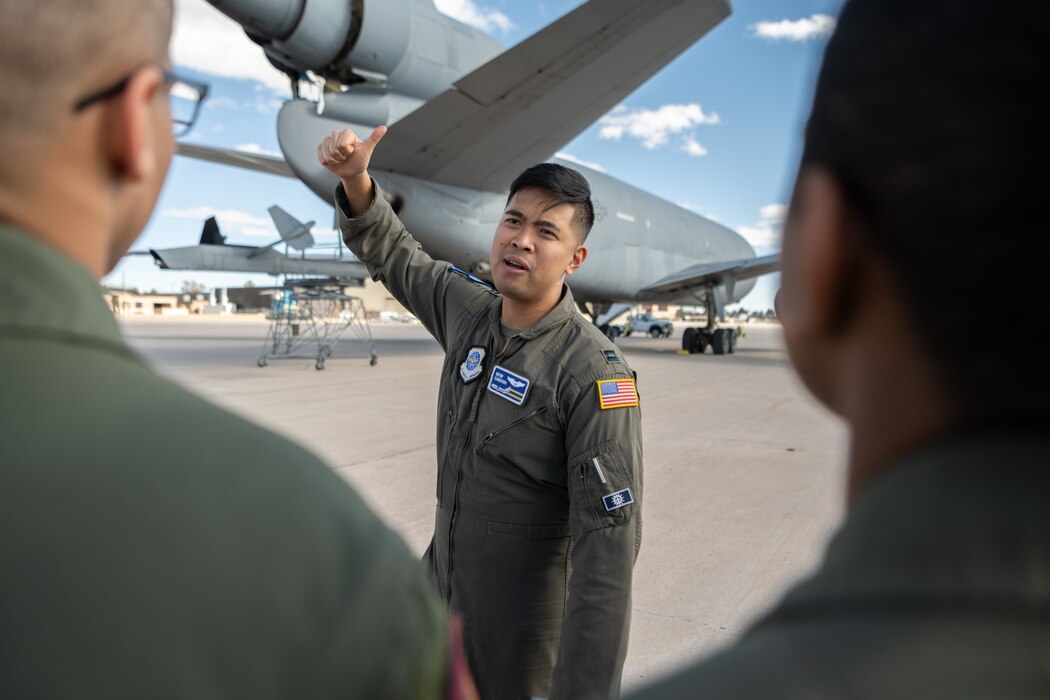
pixel 915 223
pixel 85 131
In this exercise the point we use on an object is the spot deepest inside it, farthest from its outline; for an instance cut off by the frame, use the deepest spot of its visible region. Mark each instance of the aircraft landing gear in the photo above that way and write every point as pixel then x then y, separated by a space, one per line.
pixel 721 340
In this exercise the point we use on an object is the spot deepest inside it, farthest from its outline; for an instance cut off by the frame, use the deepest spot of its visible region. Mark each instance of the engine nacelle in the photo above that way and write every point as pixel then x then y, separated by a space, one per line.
pixel 406 45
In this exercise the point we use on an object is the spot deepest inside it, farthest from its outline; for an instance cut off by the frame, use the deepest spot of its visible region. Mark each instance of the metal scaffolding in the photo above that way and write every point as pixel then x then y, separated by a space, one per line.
pixel 306 322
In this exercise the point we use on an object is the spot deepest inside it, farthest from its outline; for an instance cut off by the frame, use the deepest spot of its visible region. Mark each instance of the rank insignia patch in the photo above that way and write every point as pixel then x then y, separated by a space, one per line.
pixel 512 387
pixel 619 499
pixel 611 356
pixel 617 393
pixel 472 367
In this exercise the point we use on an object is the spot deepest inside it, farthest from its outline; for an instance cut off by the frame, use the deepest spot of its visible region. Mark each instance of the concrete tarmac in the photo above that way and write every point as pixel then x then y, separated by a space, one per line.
pixel 744 472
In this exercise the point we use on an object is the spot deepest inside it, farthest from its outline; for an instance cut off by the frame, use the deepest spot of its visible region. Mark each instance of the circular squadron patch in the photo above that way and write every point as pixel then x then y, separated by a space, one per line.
pixel 472 367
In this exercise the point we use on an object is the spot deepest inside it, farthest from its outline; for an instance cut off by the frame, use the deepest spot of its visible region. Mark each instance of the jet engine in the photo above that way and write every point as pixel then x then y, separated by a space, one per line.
pixel 406 46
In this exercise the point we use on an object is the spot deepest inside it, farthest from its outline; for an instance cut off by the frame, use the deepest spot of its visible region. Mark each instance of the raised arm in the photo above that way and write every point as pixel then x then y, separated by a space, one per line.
pixel 438 294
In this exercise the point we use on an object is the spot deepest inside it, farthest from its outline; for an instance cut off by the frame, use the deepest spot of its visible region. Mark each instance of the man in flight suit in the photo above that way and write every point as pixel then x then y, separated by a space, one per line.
pixel 539 435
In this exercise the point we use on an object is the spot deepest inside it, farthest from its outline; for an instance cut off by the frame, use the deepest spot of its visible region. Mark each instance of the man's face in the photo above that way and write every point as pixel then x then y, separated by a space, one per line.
pixel 535 246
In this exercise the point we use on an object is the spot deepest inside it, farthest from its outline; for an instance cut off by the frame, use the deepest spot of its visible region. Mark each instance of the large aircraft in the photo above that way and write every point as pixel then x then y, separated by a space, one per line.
pixel 466 116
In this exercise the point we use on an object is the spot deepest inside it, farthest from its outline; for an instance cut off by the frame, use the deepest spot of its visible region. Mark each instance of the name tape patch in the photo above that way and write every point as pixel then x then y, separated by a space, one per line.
pixel 472 367
pixel 619 499
pixel 617 393
pixel 512 387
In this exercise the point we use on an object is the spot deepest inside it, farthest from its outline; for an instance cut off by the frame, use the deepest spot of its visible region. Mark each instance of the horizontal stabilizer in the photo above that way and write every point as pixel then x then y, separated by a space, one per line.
pixel 211 234
pixel 721 273
pixel 271 165
pixel 293 232
pixel 522 106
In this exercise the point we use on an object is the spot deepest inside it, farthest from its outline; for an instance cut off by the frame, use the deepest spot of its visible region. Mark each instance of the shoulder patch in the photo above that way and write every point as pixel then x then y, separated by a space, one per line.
pixel 617 393
pixel 476 280
pixel 611 356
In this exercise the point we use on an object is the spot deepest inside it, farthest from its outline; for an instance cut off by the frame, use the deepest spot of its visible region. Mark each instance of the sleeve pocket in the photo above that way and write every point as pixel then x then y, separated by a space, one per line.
pixel 601 488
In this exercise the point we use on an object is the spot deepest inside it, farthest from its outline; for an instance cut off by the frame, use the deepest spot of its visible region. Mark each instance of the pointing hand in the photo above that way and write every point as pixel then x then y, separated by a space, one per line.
pixel 345 155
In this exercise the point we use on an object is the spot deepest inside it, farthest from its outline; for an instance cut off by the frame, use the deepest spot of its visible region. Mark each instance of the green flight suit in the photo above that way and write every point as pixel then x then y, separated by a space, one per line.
pixel 536 533
pixel 936 586
pixel 153 545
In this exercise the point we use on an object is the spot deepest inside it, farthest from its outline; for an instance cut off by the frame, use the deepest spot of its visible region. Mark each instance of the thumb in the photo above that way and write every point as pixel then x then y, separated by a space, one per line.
pixel 376 137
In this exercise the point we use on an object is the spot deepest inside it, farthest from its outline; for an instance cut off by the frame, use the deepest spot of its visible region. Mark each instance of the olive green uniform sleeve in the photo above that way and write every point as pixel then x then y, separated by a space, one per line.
pixel 436 293
pixel 605 492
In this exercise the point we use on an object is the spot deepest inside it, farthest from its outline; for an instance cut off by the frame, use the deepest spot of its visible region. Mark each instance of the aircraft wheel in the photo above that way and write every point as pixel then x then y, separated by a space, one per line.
pixel 319 365
pixel 372 361
pixel 720 341
pixel 262 362
pixel 689 340
pixel 733 335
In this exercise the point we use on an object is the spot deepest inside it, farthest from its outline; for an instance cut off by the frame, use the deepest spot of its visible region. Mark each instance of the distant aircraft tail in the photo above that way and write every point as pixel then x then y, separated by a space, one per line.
pixel 211 234
pixel 293 232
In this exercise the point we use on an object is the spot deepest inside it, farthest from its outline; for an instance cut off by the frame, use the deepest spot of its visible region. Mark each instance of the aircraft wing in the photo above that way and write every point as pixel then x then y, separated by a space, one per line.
pixel 721 273
pixel 522 106
pixel 258 162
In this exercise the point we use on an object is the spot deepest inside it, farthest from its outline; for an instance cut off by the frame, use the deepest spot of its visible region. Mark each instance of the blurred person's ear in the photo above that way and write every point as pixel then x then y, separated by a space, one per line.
pixel 818 283
pixel 821 253
pixel 132 120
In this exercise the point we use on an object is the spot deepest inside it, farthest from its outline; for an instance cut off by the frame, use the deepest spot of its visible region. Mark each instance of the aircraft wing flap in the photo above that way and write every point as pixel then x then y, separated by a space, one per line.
pixel 525 104
pixel 715 273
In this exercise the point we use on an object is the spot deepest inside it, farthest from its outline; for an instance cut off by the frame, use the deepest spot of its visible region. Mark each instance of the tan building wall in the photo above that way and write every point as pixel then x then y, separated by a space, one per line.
pixel 130 304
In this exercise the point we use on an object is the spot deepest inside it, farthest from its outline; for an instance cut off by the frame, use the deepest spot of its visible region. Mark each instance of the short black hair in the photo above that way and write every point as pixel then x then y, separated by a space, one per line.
pixel 564 185
pixel 924 112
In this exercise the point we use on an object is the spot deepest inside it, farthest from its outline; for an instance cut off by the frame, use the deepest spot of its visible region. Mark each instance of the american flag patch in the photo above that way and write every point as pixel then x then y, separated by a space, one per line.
pixel 617 393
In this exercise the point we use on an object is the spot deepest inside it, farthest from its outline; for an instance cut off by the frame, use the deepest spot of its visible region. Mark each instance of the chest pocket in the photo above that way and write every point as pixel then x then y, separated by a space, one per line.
pixel 602 488
pixel 520 459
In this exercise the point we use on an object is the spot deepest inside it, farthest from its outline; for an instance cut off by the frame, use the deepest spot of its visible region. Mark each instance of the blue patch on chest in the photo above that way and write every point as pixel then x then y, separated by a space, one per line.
pixel 512 387
pixel 472 367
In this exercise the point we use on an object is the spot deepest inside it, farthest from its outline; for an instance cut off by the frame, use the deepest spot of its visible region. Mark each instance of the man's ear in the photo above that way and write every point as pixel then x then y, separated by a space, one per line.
pixel 578 256
pixel 817 289
pixel 130 123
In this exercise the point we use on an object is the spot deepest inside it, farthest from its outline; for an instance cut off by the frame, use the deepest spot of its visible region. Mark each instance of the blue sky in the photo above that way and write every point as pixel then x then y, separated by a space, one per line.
pixel 718 130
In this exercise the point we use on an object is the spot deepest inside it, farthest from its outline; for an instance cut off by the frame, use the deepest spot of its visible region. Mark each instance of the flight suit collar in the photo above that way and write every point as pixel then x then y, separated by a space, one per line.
pixel 961 522
pixel 565 309
pixel 45 293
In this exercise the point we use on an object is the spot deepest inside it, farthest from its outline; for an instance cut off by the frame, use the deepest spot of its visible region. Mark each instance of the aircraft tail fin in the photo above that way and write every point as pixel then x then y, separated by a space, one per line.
pixel 211 235
pixel 293 232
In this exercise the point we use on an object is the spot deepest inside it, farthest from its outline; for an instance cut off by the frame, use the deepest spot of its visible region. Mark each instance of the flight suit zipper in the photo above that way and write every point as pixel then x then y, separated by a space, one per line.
pixel 587 491
pixel 459 472
pixel 448 445
pixel 511 425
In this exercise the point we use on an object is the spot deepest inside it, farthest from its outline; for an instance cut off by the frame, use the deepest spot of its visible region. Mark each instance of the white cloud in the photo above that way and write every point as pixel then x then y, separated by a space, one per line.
pixel 469 12
pixel 765 233
pixel 774 212
pixel 267 106
pixel 206 40
pixel 229 220
pixel 653 127
pixel 693 147
pixel 257 149
pixel 814 27
pixel 573 159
